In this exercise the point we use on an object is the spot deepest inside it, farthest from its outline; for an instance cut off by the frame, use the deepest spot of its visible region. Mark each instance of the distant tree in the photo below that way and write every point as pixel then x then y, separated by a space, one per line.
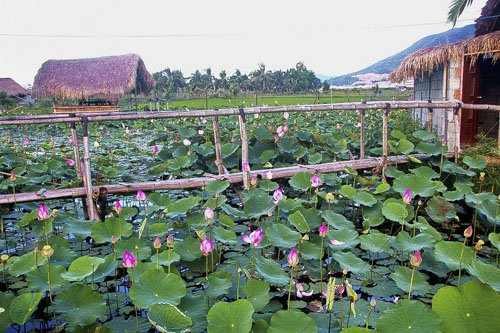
pixel 6 102
pixel 457 7
pixel 326 86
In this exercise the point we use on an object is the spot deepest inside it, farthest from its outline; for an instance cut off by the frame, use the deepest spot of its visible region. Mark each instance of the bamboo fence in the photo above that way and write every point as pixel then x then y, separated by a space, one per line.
pixel 84 169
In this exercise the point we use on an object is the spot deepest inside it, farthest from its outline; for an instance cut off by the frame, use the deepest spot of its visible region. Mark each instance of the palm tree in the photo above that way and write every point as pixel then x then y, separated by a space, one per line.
pixel 456 9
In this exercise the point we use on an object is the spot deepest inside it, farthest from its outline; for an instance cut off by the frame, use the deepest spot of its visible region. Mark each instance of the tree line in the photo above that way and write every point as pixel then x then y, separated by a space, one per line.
pixel 170 82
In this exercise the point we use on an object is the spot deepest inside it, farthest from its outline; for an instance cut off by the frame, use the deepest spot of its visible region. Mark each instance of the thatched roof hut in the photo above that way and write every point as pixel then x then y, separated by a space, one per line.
pixel 104 77
pixel 429 59
pixel 12 88
pixel 488 21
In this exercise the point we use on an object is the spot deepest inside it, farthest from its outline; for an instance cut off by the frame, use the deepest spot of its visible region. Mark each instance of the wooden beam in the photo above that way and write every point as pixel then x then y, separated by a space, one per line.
pixel 244 148
pixel 218 147
pixel 233 178
pixel 87 175
pixel 362 135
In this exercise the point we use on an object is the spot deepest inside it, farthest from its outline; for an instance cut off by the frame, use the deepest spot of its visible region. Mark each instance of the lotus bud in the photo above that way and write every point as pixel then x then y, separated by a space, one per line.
pixel 280 131
pixel 118 207
pixel 481 176
pixel 246 167
pixel 209 214
pixel 206 246
pixel 26 141
pixel 186 142
pixel 341 289
pixel 253 181
pixel 170 240
pixel 13 177
pixel 43 213
pixel 70 162
pixel 286 115
pixel 315 181
pixel 4 259
pixel 155 150
pixel 269 175
pixel 201 132
pixel 113 239
pixel 47 251
pixel 407 196
pixel 322 230
pixel 416 259
pixel 330 197
pixel 129 260
pixel 96 144
pixel 373 302
pixel 70 139
pixel 276 137
pixel 141 196
pixel 479 245
pixel 468 232
pixel 293 258
pixel 157 243
pixel 345 271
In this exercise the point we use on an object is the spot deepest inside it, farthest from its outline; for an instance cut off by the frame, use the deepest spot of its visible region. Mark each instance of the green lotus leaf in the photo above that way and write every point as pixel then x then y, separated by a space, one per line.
pixel 365 199
pixel 258 205
pixel 424 135
pixel 406 243
pixel 166 256
pixel 182 206
pixel 22 307
pixel 475 162
pixel 351 262
pixel 196 308
pixel 472 307
pixel 216 186
pixel 418 185
pixel 134 245
pixel 82 267
pixel 485 273
pixel 311 251
pixel 291 321
pixel 409 316
pixel 107 268
pixel 233 317
pixel 494 238
pixel 301 181
pixel 402 277
pixel 299 222
pixel 158 229
pixel 440 210
pixel 157 287
pixel 112 226
pixel 168 318
pixel 281 236
pixel 78 228
pixel 375 242
pixel 394 211
pixel 188 249
pixel 271 271
pixel 63 253
pixel 257 293
pixel 381 188
pixel 347 191
pixel 5 300
pixel 449 253
pixel 224 236
pixel 37 279
pixel 349 237
pixel 219 284
pixel 25 263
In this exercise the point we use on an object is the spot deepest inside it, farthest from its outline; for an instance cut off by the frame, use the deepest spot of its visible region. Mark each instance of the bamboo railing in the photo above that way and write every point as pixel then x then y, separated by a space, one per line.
pixel 84 170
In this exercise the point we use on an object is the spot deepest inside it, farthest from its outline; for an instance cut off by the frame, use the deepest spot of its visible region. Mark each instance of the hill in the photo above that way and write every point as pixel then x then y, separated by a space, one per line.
pixel 387 65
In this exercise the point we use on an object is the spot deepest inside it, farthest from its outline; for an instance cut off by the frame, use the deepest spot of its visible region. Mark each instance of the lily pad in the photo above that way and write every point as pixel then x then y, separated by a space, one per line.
pixel 257 293
pixel 449 253
pixel 375 241
pixel 234 317
pixel 188 249
pixel 301 181
pixel 271 271
pixel 299 222
pixel 394 211
pixel 402 277
pixel 281 236
pixel 112 226
pixel 472 307
pixel 440 210
pixel 291 321
pixel 409 316
pixel 82 267
pixel 157 287
pixel 168 318
pixel 485 273
pixel 80 305
pixel 22 307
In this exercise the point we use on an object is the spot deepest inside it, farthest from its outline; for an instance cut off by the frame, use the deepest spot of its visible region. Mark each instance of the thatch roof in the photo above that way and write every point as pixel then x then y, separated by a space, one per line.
pixel 12 88
pixel 104 77
pixel 429 59
pixel 488 21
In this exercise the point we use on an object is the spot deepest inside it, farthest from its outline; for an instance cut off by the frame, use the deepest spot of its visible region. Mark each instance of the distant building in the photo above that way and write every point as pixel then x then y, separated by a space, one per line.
pixel 96 84
pixel 12 88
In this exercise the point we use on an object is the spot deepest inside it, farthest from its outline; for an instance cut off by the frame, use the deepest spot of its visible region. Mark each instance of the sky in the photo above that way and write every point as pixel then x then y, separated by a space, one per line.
pixel 331 37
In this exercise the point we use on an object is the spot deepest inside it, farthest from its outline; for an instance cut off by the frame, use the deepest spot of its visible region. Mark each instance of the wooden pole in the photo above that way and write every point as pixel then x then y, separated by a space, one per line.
pixel 87 178
pixel 218 146
pixel 76 151
pixel 362 135
pixel 431 118
pixel 202 181
pixel 456 124
pixel 385 135
pixel 244 148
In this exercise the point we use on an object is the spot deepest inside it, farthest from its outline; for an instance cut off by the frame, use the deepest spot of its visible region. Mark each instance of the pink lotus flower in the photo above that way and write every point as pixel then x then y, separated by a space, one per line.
pixel 70 162
pixel 209 214
pixel 316 181
pixel 300 291
pixel 322 230
pixel 277 196
pixel 336 242
pixel 129 260
pixel 468 232
pixel 118 207
pixel 141 196
pixel 255 238
pixel 206 246
pixel 154 150
pixel 285 128
pixel 341 289
pixel 26 141
pixel 280 131
pixel 293 258
pixel 416 259
pixel 43 213
pixel 246 167
pixel 407 196
pixel 70 139
pixel 276 137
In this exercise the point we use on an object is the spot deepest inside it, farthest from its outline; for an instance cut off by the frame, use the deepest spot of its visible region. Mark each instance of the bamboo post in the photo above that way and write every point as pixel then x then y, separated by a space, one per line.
pixel 87 177
pixel 76 150
pixel 362 135
pixel 456 124
pixel 244 147
pixel 217 143
pixel 431 118
pixel 385 136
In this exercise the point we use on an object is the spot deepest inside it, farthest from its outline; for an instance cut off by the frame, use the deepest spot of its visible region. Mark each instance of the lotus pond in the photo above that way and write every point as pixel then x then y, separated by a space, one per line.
pixel 414 248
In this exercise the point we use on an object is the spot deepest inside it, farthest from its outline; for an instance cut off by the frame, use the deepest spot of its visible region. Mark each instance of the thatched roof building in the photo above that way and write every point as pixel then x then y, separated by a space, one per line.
pixel 12 88
pixel 429 59
pixel 104 77
pixel 488 21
